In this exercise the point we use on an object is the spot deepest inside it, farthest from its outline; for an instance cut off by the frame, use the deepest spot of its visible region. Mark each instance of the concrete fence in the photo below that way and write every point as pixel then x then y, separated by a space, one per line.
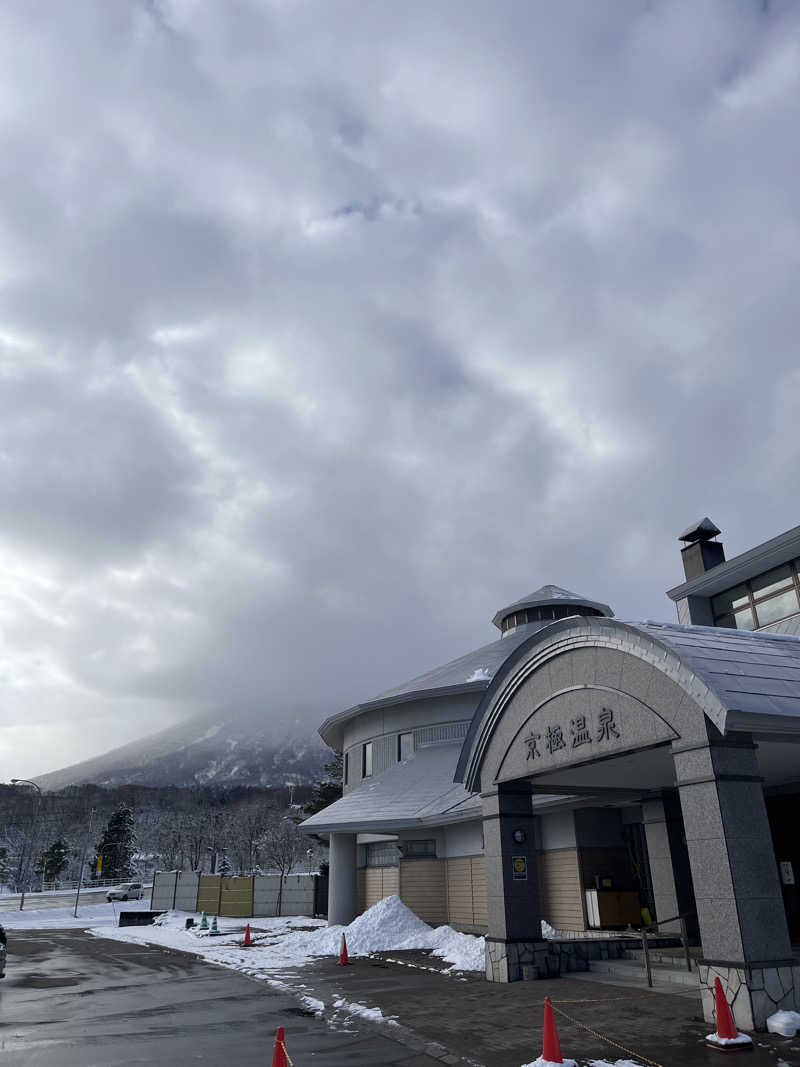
pixel 301 894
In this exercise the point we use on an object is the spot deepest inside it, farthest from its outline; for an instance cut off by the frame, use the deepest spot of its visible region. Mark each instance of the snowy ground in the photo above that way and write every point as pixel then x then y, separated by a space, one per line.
pixel 282 946
pixel 102 916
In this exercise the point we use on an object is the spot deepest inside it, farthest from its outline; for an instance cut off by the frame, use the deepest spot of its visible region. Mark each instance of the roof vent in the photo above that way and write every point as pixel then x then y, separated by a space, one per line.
pixel 700 553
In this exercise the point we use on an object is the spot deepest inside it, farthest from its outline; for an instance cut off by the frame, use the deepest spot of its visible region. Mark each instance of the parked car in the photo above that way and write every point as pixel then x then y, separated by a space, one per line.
pixel 2 952
pixel 126 891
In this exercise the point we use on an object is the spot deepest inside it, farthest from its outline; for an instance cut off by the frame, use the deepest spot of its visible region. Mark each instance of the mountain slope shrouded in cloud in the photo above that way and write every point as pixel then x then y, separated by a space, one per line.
pixel 204 751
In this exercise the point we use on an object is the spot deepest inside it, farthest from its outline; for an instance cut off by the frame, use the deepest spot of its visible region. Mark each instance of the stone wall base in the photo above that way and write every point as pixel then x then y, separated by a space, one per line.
pixel 754 993
pixel 513 961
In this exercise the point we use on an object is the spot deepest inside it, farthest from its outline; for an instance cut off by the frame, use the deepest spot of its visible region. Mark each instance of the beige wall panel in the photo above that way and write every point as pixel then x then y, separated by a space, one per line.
pixel 561 890
pixel 208 893
pixel 480 903
pixel 466 891
pixel 375 883
pixel 423 888
pixel 459 891
pixel 361 889
pixel 237 897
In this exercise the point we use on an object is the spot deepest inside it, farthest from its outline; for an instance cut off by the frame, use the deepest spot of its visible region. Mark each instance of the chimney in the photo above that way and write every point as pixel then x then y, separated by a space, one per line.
pixel 701 553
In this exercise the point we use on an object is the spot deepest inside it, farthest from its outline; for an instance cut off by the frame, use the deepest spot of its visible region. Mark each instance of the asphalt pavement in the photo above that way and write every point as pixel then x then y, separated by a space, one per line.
pixel 73 1000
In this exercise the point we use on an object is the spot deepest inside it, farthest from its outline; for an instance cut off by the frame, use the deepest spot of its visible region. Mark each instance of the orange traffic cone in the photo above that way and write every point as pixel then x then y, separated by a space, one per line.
pixel 343 960
pixel 551 1049
pixel 279 1057
pixel 247 942
pixel 727 1038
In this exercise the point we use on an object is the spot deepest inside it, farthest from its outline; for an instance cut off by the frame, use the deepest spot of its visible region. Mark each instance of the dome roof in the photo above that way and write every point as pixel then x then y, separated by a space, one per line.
pixel 554 595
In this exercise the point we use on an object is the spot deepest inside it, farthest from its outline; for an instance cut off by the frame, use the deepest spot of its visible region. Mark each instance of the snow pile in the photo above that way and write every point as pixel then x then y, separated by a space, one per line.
pixel 785 1023
pixel 480 674
pixel 548 931
pixel 740 1041
pixel 374 1015
pixel 463 951
pixel 549 1063
pixel 388 925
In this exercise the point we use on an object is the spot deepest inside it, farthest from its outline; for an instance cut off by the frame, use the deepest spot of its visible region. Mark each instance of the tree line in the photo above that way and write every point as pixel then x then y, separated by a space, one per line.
pixel 138 829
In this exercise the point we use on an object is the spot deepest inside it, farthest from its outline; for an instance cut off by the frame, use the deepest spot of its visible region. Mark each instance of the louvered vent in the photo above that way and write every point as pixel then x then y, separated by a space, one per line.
pixel 443 734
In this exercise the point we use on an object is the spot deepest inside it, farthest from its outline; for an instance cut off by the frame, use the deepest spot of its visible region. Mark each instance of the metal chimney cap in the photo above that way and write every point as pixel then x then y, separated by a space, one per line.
pixel 703 530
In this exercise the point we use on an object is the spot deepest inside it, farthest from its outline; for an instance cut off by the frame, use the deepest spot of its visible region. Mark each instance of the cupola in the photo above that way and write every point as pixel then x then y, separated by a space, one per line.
pixel 547 604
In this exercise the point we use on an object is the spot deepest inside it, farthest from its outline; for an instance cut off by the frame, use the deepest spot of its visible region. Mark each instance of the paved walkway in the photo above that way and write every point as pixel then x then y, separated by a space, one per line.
pixel 469 1021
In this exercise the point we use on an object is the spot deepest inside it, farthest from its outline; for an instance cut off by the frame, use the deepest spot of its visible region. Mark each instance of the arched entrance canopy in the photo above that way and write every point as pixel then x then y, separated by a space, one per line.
pixel 664 681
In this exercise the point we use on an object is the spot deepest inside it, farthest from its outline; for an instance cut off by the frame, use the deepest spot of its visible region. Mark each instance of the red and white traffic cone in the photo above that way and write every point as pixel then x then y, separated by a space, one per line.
pixel 279 1056
pixel 343 960
pixel 551 1048
pixel 247 942
pixel 727 1038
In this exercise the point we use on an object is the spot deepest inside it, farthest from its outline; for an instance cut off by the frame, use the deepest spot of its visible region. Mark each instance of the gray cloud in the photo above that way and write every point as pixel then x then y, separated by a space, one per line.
pixel 326 329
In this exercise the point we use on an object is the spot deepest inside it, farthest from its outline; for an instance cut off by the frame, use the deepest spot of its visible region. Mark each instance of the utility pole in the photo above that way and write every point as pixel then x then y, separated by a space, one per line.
pixel 83 860
pixel 33 833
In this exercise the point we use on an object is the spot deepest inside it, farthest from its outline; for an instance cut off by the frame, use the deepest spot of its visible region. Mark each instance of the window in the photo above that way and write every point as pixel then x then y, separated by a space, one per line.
pixel 420 850
pixel 764 599
pixel 366 760
pixel 777 607
pixel 405 746
pixel 346 774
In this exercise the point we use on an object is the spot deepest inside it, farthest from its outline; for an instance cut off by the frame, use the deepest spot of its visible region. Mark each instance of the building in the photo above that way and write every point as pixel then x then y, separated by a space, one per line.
pixel 580 768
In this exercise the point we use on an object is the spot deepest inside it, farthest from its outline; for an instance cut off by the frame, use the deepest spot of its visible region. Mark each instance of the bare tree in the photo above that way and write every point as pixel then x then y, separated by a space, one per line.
pixel 283 846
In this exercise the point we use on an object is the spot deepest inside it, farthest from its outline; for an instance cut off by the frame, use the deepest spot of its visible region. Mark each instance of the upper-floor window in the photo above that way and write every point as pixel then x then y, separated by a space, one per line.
pixel 419 850
pixel 764 599
pixel 366 760
pixel 405 746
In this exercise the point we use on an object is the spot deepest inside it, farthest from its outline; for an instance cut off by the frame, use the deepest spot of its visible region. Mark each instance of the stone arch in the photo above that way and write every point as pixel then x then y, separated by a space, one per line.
pixel 573 662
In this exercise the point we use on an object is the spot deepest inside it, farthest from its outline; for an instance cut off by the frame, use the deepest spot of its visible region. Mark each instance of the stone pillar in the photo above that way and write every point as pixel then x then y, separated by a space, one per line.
pixel 514 945
pixel 342 879
pixel 659 853
pixel 739 904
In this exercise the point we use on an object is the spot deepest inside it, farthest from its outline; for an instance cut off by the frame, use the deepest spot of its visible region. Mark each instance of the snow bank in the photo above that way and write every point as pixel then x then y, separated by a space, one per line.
pixel 786 1023
pixel 387 926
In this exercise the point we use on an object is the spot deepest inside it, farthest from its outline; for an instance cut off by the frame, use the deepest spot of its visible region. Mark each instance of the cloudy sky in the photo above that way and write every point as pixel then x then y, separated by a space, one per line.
pixel 327 328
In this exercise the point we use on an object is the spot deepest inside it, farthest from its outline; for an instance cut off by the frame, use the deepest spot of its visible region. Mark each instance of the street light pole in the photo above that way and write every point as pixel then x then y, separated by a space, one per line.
pixel 34 828
pixel 83 860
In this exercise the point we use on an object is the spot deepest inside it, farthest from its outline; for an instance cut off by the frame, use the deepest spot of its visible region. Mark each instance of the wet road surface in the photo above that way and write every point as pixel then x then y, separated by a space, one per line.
pixel 73 1000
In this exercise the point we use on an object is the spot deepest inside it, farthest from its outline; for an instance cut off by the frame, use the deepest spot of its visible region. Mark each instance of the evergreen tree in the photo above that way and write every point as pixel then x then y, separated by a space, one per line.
pixel 53 861
pixel 328 788
pixel 225 867
pixel 118 846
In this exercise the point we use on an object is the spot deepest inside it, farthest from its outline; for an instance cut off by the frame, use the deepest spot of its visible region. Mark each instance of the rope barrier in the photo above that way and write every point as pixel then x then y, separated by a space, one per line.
pixel 608 1040
pixel 286 1053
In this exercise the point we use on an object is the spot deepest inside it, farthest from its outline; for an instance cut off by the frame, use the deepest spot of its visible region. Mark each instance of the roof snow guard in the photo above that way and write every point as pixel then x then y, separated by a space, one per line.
pixel 548 595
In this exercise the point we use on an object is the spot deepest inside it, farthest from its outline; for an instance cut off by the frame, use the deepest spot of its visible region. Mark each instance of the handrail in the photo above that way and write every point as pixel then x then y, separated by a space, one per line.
pixel 684 938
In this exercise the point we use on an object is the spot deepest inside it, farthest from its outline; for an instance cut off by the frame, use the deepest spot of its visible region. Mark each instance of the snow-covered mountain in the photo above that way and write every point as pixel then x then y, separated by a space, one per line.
pixel 208 751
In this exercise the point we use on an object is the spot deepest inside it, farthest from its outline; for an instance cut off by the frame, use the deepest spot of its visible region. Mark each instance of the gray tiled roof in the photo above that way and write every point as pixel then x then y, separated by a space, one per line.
pixel 750 671
pixel 418 791
pixel 470 673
